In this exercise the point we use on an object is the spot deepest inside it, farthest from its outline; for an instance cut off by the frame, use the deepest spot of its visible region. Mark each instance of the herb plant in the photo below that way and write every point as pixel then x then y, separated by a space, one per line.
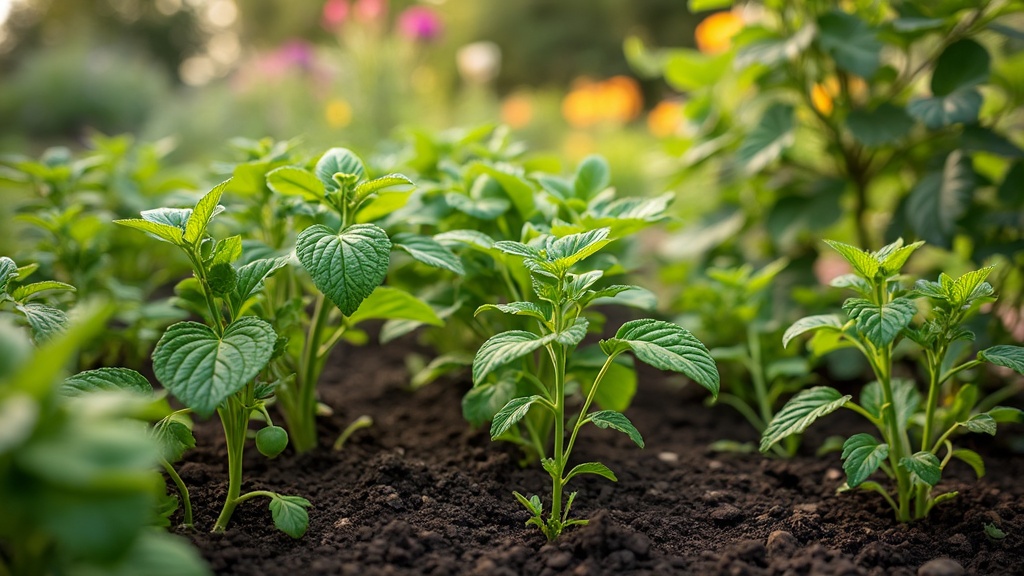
pixel 219 365
pixel 559 300
pixel 32 302
pixel 917 429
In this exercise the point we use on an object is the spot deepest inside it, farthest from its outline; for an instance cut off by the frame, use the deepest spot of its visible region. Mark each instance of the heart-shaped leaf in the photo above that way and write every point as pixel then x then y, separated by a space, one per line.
pixel 202 369
pixel 347 266
pixel 666 347
pixel 338 161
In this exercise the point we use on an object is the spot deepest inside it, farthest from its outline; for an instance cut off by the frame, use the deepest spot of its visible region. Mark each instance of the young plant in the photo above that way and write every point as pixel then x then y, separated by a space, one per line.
pixel 915 430
pixel 32 303
pixel 219 365
pixel 560 298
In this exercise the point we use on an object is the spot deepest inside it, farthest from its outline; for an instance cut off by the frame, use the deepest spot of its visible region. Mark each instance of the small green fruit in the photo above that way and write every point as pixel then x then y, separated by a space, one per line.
pixel 271 441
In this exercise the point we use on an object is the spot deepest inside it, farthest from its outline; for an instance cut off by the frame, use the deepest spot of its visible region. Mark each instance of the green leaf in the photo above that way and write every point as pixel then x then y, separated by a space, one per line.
pixel 428 251
pixel 775 50
pixel 1006 414
pixel 566 251
pixel 905 398
pixel 204 211
pixel 513 412
pixel 980 423
pixel 880 324
pixel 174 434
pixel 295 181
pixel 21 293
pixel 896 256
pixel 616 421
pixel 966 287
pixel 886 124
pixel 666 347
pixel 386 303
pixel 175 217
pixel 201 369
pixel 503 348
pixel 862 455
pixel 482 402
pixel 8 272
pixel 347 266
pixel 517 249
pixel 828 322
pixel 618 387
pixel 963 64
pixel 45 321
pixel 517 309
pixel 1007 356
pixel 687 70
pixel 695 6
pixel 851 42
pixel 365 189
pixel 595 468
pixel 592 177
pixel 924 466
pixel 251 277
pixel 290 515
pixel 164 232
pixel 864 263
pixel 960 107
pixel 800 412
pixel 472 238
pixel 939 199
pixel 106 380
pixel 482 208
pixel 972 459
pixel 338 161
pixel 769 138
pixel 518 190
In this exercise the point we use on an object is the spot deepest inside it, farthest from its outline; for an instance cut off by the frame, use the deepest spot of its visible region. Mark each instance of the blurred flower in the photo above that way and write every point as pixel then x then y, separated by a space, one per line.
pixel 714 34
pixel 338 113
pixel 665 119
pixel 479 62
pixel 517 110
pixel 821 99
pixel 578 145
pixel 617 100
pixel 371 10
pixel 334 14
pixel 830 266
pixel 419 23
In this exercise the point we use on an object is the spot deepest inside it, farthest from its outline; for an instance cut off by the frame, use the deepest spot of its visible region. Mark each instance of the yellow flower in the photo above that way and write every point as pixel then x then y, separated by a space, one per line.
pixel 821 99
pixel 616 100
pixel 665 119
pixel 517 110
pixel 714 34
pixel 338 113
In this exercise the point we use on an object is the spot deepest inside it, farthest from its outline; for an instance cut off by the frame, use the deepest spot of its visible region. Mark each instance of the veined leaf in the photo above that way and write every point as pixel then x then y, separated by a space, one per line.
pixel 666 347
pixel 176 217
pixel 939 199
pixel 23 292
pixel 165 232
pixel 616 421
pixel 471 238
pixel 828 322
pixel 980 423
pixel 766 142
pixel 972 459
pixel 893 260
pixel 864 263
pixel 1011 357
pixel 577 284
pixel 862 455
pixel 881 324
pixel 518 309
pixel 174 434
pixel 295 181
pixel 924 466
pixel 965 286
pixel 45 321
pixel 106 380
pixel 365 189
pixel 386 303
pixel 568 250
pixel 204 211
pixel 202 369
pixel 513 412
pixel 505 347
pixel 428 251
pixel 800 412
pixel 595 468
pixel 8 272
pixel 251 277
pixel 338 161
pixel 592 176
pixel 290 515
pixel 347 266
pixel 482 402
pixel 518 249
pixel 853 282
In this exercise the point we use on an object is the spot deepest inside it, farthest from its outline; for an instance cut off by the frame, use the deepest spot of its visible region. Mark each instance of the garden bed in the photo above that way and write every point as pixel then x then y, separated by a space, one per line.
pixel 421 493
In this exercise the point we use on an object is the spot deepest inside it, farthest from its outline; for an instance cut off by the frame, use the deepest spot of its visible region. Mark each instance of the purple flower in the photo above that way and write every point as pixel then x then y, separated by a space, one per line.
pixel 419 23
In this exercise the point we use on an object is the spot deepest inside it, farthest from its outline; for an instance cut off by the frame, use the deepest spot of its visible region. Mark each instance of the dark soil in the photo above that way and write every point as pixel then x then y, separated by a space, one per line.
pixel 420 493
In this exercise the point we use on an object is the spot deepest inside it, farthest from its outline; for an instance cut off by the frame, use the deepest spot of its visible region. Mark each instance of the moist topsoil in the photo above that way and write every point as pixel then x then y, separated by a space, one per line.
pixel 422 493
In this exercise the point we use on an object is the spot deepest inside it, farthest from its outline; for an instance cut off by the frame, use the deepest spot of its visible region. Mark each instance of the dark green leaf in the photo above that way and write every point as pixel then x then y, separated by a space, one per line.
pixel 963 64
pixel 883 125
pixel 514 411
pixel 347 266
pixel 482 402
pixel 880 324
pixel 960 107
pixel 862 455
pixel 666 347
pixel 592 176
pixel 174 434
pixel 290 515
pixel 980 423
pixel 972 459
pixel 937 202
pixel 338 161
pixel 428 251
pixel 924 466
pixel 766 142
pixel 1007 356
pixel 616 421
pixel 851 42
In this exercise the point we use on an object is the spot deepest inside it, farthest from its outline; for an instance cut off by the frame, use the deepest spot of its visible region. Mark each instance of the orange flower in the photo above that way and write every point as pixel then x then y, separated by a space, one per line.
pixel 665 119
pixel 714 34
pixel 821 99
pixel 517 110
pixel 617 100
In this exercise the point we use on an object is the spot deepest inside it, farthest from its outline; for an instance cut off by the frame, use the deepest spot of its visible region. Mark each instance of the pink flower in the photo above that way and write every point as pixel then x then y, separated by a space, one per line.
pixel 371 10
pixel 419 23
pixel 335 13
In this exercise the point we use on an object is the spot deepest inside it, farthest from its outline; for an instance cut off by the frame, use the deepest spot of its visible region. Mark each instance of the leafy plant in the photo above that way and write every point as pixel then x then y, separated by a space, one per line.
pixel 877 320
pixel 32 302
pixel 559 299
pixel 77 478
pixel 220 365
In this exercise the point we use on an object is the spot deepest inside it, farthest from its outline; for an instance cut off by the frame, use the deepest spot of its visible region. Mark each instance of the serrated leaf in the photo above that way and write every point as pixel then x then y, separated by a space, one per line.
pixel 518 309
pixel 23 292
pixel 290 515
pixel 175 217
pixel 972 459
pixel 963 64
pixel 45 321
pixel 595 468
pixel 862 455
pixel 960 107
pixel 965 286
pixel 203 212
pixel 295 181
pixel 853 282
pixel 851 42
pixel 365 189
pixel 800 412
pixel 880 324
pixel 592 176
pixel 924 466
pixel 251 277
pixel 939 199
pixel 428 251
pixel 566 251
pixel 885 124
pixel 165 232
pixel 514 411
pixel 980 423
pixel 517 249
pixel 1007 356
pixel 347 266
pixel 106 380
pixel 505 347
pixel 893 261
pixel 482 402
pixel 828 322
pixel 666 347
pixel 616 421
pixel 8 272
pixel 769 138
pixel 201 369
pixel 864 263
pixel 338 161
pixel 577 284
pixel 386 303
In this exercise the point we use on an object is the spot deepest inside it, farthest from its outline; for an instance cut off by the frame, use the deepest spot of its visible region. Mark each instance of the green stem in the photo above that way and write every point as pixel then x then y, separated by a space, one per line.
pixel 934 369
pixel 757 373
pixel 363 421
pixel 558 352
pixel 301 415
pixel 254 494
pixel 186 502
pixel 586 404
pixel 235 420
pixel 743 408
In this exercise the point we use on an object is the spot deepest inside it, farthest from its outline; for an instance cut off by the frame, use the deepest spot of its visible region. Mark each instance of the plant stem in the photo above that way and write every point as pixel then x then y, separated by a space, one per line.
pixel 757 373
pixel 363 421
pixel 186 502
pixel 301 413
pixel 559 456
pixel 235 420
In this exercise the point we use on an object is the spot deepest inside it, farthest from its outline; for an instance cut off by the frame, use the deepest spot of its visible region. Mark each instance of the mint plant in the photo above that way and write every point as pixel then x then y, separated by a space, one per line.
pixel 559 300
pixel 917 429
pixel 219 365
pixel 32 303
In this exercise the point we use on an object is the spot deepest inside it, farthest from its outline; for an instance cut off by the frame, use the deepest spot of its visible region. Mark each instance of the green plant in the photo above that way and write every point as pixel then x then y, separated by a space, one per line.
pixel 23 300
pixel 220 365
pixel 559 299
pixel 878 319
pixel 77 478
